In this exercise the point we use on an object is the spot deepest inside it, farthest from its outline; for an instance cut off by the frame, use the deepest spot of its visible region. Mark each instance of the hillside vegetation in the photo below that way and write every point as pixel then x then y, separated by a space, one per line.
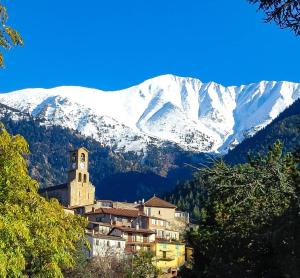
pixel 116 175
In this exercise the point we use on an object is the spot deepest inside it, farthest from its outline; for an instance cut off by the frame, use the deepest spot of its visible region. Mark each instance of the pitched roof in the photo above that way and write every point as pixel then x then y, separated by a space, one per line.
pixel 75 150
pixel 133 230
pixel 157 202
pixel 117 212
pixel 52 188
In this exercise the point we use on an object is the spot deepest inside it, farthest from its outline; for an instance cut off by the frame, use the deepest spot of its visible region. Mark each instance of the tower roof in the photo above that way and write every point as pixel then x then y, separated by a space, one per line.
pixel 79 149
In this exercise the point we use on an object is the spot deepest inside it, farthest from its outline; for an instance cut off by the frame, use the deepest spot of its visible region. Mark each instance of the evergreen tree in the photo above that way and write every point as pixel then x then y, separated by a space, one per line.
pixel 249 222
pixel 286 13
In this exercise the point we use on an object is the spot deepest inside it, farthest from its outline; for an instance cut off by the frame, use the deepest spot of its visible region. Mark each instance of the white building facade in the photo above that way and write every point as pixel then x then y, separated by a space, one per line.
pixel 104 245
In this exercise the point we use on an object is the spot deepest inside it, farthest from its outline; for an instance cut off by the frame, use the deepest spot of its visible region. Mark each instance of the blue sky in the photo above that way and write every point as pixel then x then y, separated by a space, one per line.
pixel 114 44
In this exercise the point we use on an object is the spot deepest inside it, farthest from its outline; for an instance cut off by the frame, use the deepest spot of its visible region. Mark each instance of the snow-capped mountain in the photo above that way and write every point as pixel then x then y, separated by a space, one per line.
pixel 201 117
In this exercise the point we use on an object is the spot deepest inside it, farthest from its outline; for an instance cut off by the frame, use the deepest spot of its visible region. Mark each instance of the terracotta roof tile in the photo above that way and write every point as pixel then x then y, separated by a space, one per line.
pixel 157 202
pixel 117 212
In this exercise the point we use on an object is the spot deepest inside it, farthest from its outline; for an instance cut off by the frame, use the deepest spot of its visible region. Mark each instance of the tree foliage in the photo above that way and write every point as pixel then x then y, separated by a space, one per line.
pixel 9 37
pixel 286 13
pixel 139 265
pixel 249 221
pixel 142 266
pixel 37 238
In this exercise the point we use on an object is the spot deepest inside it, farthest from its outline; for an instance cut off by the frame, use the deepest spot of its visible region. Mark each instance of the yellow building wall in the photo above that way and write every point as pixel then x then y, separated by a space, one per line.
pixel 175 255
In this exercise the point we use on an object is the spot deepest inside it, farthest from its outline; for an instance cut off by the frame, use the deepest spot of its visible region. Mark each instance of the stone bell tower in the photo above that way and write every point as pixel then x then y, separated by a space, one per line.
pixel 81 191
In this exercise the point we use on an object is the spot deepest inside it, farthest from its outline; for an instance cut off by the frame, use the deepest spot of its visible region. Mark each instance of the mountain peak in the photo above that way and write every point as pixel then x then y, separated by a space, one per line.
pixel 201 117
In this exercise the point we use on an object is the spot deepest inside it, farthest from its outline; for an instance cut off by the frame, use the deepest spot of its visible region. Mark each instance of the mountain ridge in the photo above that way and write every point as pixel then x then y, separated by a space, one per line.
pixel 197 116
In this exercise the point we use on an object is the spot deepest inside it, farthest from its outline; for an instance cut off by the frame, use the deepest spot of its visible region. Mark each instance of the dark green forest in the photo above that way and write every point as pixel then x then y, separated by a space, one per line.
pixel 117 176
pixel 249 218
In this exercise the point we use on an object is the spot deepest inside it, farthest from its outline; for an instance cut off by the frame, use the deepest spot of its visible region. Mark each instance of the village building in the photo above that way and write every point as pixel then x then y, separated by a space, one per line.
pixel 105 245
pixel 177 221
pixel 78 191
pixel 161 227
pixel 120 228
pixel 169 256
pixel 116 216
pixel 157 207
pixel 99 227
pixel 136 239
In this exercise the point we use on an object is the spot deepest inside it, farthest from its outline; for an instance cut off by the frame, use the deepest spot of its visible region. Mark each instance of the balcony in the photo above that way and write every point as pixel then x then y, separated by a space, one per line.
pixel 167 258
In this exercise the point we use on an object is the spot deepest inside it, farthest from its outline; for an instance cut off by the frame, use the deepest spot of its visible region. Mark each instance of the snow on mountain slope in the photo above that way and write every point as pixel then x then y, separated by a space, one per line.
pixel 196 116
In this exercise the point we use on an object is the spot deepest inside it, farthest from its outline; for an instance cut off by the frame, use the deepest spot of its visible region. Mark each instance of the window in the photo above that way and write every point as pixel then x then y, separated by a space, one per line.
pixel 97 242
pixel 119 244
pixel 108 243
pixel 148 211
pixel 79 177
pixel 153 221
pixel 82 157
pixel 84 178
pixel 159 212
pixel 164 254
pixel 161 222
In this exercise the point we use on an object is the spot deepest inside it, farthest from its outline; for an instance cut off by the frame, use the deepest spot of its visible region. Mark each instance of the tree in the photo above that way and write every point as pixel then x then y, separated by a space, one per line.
pixel 37 238
pixel 286 13
pixel 9 37
pixel 249 224
pixel 142 266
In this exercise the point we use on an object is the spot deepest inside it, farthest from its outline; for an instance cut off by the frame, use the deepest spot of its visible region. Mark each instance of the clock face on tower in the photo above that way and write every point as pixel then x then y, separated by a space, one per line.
pixel 82 165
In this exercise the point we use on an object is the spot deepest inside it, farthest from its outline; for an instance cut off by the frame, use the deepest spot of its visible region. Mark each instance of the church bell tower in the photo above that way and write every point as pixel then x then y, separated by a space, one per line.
pixel 81 191
pixel 79 165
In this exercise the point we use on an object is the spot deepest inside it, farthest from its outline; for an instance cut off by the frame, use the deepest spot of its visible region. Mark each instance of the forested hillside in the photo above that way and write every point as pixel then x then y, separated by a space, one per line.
pixel 286 128
pixel 249 218
pixel 122 176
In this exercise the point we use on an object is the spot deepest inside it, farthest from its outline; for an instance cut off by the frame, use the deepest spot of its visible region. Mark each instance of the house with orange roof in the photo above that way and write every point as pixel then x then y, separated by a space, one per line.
pixel 116 216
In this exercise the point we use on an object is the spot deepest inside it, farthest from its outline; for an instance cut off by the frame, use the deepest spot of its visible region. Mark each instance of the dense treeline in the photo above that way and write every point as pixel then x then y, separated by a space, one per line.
pixel 248 216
